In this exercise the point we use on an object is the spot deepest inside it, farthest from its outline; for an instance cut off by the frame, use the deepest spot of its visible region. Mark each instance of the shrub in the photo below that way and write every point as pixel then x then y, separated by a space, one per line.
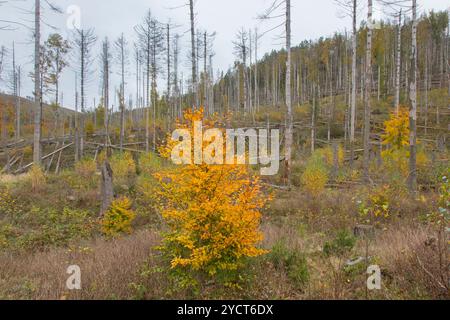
pixel 8 204
pixel 118 218
pixel 377 206
pixel 90 129
pixel 315 176
pixel 397 130
pixel 37 178
pixel 149 163
pixel 340 245
pixel 38 228
pixel 328 156
pixel 290 260
pixel 213 215
pixel 123 167
pixel 86 168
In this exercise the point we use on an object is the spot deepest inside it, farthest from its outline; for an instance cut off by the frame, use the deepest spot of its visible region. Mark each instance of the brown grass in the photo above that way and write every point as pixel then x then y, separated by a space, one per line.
pixel 107 269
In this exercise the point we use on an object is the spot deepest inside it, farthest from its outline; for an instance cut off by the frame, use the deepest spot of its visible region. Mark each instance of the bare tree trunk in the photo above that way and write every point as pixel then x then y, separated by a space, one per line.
pixel 368 91
pixel 121 44
pixel 106 92
pixel 77 129
pixel 426 91
pixel 37 152
pixel 82 80
pixel 256 72
pixel 353 98
pixel 412 181
pixel 289 117
pixel 313 121
pixel 193 54
pixel 16 95
pixel 398 63
pixel 107 191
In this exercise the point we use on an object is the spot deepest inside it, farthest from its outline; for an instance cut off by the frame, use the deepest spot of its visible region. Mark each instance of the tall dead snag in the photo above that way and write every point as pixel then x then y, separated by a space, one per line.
pixel 193 54
pixel 122 53
pixel 105 60
pixel 398 64
pixel 83 42
pixel 353 100
pixel 107 191
pixel 368 92
pixel 290 118
pixel 16 91
pixel 37 151
pixel 241 51
pixel 150 42
pixel 412 180
pixel 350 8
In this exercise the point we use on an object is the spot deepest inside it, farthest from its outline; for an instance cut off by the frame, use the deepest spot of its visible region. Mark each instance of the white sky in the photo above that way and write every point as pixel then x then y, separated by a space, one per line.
pixel 311 20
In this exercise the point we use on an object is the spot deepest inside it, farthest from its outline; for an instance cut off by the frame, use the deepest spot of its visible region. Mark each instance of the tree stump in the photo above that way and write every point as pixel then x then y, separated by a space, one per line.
pixel 107 191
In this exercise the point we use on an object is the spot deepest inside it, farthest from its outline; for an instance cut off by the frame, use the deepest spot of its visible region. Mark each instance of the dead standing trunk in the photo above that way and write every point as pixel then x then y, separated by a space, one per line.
pixel 353 97
pixel 289 117
pixel 107 192
pixel 37 85
pixel 368 91
pixel 412 180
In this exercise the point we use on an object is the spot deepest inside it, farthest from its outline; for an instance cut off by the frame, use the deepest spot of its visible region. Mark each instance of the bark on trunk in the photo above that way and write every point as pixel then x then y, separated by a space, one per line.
pixel 107 191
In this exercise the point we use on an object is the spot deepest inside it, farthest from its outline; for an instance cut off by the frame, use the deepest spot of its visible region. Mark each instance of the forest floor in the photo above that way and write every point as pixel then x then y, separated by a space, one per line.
pixel 312 233
pixel 45 228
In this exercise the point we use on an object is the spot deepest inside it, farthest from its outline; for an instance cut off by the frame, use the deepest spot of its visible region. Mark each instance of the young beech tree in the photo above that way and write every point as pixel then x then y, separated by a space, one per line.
pixel 212 211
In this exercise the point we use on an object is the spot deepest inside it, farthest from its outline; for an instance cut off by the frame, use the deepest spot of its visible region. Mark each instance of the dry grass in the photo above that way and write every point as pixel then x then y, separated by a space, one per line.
pixel 107 269
pixel 415 262
pixel 408 252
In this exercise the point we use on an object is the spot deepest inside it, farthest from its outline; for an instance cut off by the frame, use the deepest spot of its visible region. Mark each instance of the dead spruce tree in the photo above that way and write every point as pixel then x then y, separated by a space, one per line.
pixel 368 92
pixel 350 8
pixel 122 58
pixel 83 42
pixel 241 52
pixel 289 134
pixel 105 59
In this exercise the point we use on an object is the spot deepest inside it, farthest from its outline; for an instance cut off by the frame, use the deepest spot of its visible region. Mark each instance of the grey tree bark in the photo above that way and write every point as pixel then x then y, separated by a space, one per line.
pixel 398 63
pixel 37 152
pixel 107 192
pixel 193 54
pixel 289 116
pixel 368 92
pixel 412 181
pixel 353 97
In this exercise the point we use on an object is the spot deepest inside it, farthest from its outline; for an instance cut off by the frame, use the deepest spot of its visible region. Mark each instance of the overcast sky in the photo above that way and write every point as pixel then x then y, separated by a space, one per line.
pixel 311 20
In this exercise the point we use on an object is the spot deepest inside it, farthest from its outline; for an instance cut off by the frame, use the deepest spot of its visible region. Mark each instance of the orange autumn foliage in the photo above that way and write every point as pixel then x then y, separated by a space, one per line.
pixel 212 211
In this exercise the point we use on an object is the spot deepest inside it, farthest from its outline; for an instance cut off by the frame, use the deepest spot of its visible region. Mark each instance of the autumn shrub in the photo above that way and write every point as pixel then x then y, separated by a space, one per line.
pixel 212 214
pixel 328 155
pixel 397 153
pixel 316 175
pixel 86 168
pixel 9 205
pixel 376 207
pixel 150 163
pixel 396 135
pixel 90 129
pixel 124 169
pixel 118 218
pixel 37 179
